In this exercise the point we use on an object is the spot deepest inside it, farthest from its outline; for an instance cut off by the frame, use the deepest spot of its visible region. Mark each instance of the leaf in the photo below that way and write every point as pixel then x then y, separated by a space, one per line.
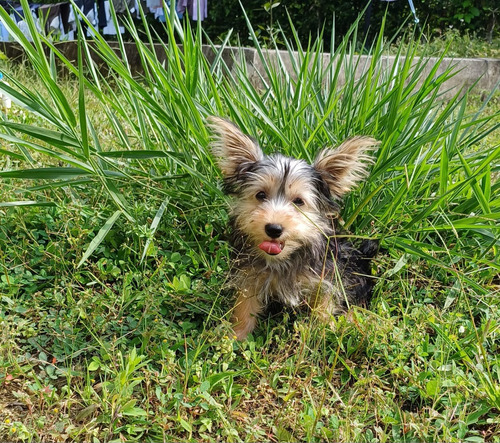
pixel 94 365
pixel 154 226
pixel 134 412
pixel 138 154
pixel 82 113
pixel 45 173
pixel 186 425
pixel 26 203
pixel 400 264
pixel 432 388
pixel 475 186
pixel 475 416
pixel 205 386
pixel 54 138
pixel 96 241
pixel 86 412
pixel 12 154
pixel 117 197
pixel 217 378
pixel 284 435
pixel 62 184
pixel 73 160
pixel 7 300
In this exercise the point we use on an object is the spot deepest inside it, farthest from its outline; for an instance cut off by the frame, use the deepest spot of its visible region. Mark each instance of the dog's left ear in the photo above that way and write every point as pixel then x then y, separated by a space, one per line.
pixel 342 168
pixel 232 149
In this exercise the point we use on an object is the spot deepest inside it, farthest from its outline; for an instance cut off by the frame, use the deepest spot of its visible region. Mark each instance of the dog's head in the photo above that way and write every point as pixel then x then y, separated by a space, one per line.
pixel 282 203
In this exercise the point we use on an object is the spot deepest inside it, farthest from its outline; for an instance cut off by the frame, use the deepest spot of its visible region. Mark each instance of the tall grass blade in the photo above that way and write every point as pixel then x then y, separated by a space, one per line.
pixel 101 235
pixel 154 226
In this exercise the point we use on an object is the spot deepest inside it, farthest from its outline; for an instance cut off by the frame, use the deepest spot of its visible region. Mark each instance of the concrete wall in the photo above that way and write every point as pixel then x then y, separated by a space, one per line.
pixel 483 73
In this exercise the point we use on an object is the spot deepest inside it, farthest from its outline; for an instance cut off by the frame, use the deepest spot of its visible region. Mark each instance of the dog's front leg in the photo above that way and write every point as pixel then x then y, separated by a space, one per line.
pixel 245 313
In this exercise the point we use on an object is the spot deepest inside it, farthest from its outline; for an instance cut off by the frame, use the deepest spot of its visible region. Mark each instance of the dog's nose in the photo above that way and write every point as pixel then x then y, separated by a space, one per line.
pixel 273 230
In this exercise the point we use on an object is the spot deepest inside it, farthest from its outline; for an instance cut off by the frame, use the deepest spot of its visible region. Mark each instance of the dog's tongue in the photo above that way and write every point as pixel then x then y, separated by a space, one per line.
pixel 272 247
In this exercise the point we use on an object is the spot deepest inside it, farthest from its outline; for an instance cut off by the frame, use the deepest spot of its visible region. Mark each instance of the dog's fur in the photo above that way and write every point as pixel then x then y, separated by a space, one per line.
pixel 283 229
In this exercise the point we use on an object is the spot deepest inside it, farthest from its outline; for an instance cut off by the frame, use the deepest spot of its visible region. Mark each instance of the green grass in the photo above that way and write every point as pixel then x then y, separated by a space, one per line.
pixel 455 44
pixel 113 306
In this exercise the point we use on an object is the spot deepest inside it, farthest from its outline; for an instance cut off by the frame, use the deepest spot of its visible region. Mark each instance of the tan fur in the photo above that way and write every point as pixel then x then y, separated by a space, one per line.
pixel 246 310
pixel 342 168
pixel 231 147
pixel 320 295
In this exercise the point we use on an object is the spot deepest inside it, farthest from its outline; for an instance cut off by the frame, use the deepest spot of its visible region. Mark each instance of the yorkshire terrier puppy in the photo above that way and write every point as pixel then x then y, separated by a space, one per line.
pixel 283 229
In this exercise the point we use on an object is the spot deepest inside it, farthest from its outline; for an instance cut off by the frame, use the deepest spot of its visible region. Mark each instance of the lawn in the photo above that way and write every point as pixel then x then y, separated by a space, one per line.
pixel 114 305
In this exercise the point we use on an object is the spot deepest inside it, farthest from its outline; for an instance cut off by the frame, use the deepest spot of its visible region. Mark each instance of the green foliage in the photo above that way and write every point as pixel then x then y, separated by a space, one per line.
pixel 456 44
pixel 313 18
pixel 113 304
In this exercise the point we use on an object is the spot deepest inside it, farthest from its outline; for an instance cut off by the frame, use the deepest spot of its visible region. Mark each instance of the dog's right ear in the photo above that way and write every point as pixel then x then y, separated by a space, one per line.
pixel 342 168
pixel 231 148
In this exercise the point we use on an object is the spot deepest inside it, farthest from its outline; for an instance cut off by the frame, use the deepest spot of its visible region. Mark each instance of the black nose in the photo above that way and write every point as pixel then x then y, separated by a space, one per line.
pixel 274 231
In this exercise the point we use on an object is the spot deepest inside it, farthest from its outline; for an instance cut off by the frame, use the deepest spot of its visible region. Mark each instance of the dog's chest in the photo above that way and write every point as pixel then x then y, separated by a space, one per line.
pixel 291 290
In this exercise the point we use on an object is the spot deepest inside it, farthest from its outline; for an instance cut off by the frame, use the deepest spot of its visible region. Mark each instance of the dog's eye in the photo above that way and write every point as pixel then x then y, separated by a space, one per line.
pixel 298 202
pixel 261 196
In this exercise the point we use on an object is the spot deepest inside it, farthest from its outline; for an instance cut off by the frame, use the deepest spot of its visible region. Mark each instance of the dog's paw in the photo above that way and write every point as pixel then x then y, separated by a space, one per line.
pixel 241 329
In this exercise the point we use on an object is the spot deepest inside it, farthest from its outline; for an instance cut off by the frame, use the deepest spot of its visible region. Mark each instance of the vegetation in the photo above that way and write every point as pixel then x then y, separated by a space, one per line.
pixel 113 307
pixel 435 18
pixel 453 44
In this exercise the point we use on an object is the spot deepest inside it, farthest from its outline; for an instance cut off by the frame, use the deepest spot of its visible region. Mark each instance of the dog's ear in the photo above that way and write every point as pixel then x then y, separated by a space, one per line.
pixel 342 168
pixel 231 147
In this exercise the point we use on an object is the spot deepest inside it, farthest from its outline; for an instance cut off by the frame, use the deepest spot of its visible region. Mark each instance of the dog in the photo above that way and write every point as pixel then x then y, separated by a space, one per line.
pixel 283 227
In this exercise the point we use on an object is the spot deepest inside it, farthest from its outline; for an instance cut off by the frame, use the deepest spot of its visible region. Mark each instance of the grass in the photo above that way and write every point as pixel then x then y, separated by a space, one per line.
pixel 456 44
pixel 113 305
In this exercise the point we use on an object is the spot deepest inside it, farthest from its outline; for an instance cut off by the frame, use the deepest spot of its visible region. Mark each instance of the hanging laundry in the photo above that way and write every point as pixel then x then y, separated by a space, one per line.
pixel 106 20
pixel 197 9
pixel 160 12
pixel 58 19
pixel 122 6
pixel 55 17
pixel 17 13
pixel 155 7
pixel 89 10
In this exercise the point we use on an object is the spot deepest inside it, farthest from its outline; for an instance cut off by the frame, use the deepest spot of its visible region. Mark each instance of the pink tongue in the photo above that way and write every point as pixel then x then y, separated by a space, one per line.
pixel 271 247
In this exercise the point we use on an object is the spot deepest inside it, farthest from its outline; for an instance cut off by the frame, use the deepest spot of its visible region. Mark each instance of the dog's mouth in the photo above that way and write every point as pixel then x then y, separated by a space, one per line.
pixel 272 247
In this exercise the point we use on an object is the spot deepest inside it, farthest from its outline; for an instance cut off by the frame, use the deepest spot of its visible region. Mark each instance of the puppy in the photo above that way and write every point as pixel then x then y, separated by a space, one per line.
pixel 283 227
